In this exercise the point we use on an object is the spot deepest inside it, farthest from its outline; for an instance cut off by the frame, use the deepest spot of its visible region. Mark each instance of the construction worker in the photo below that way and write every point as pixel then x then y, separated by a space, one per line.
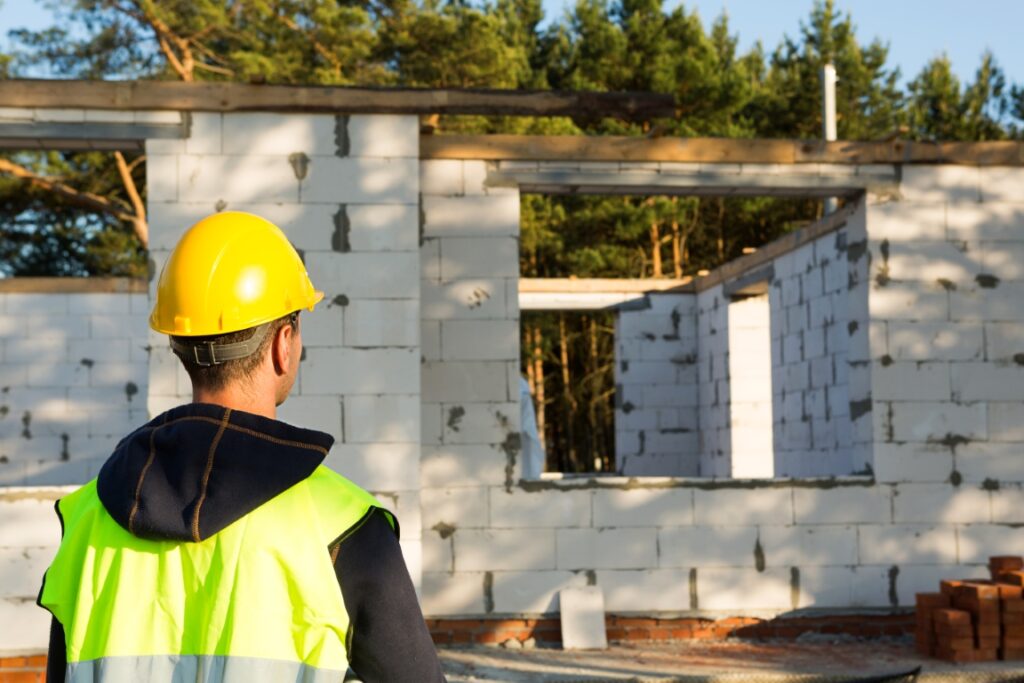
pixel 212 545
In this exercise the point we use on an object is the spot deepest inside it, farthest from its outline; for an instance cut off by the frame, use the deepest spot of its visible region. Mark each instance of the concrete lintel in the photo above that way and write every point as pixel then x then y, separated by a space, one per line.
pixel 750 284
pixel 702 183
pixel 579 301
pixel 88 135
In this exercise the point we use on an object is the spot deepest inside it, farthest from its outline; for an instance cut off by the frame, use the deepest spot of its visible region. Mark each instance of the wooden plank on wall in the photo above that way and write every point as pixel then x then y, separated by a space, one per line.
pixel 231 97
pixel 716 150
pixel 72 285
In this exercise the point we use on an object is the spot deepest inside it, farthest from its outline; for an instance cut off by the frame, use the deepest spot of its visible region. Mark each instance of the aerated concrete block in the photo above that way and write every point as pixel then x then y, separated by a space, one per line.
pixel 607 548
pixel 382 418
pixel 384 135
pixel 707 546
pixel 460 465
pixel 532 592
pixel 472 257
pixel 582 618
pixel 855 504
pixel 743 506
pixel 206 135
pixel 360 371
pixel 735 589
pixel 647 590
pixel 937 421
pixel 378 467
pixel 925 341
pixel 504 549
pixel 929 503
pixel 360 181
pixel 453 593
pixel 480 340
pixel 441 177
pixel 540 509
pixel 473 299
pixel 477 216
pixel 382 323
pixel 264 133
pixel 898 544
pixel 465 381
pixel 953 184
pixel 447 510
pixel 988 221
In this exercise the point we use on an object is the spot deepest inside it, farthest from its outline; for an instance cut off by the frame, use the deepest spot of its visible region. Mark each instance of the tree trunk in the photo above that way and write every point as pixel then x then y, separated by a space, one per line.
pixel 721 232
pixel 538 391
pixel 567 398
pixel 656 251
pixel 595 429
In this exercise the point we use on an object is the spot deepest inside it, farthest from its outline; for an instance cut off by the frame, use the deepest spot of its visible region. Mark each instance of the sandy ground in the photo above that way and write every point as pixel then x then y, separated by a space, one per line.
pixel 713 661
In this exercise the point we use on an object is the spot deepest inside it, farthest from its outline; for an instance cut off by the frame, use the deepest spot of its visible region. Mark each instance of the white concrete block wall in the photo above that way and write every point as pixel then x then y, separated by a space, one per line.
pixel 73 381
pixel 345 189
pixel 946 310
pixel 29 536
pixel 487 547
pixel 656 387
pixel 714 417
pixel 811 330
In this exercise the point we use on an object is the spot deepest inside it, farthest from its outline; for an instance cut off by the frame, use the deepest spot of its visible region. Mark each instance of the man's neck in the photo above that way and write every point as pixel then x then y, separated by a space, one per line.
pixel 258 403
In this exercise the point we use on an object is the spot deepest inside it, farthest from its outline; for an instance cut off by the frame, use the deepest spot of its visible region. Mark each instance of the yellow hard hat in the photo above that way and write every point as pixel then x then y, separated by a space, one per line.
pixel 229 272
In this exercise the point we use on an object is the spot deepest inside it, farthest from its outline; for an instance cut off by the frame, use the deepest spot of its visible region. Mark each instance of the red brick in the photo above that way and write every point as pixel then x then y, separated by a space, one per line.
pixel 951 616
pixel 12 676
pixel 1006 562
pixel 1009 591
pixel 981 590
pixel 988 654
pixel 927 601
pixel 1015 578
pixel 954 655
pixel 616 634
pixel 1013 642
pixel 988 630
pixel 956 643
pixel 954 631
pixel 1010 653
pixel 949 586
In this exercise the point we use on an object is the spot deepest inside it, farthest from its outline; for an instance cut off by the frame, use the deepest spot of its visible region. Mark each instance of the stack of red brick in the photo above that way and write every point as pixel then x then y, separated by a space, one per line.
pixel 975 620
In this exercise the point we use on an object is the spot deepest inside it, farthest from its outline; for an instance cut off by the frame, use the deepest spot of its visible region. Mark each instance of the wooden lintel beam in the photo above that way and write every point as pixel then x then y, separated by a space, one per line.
pixel 601 285
pixel 717 150
pixel 239 97
pixel 73 285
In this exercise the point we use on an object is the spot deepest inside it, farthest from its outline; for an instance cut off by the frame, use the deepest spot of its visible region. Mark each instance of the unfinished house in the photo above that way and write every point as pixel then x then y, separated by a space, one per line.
pixel 828 424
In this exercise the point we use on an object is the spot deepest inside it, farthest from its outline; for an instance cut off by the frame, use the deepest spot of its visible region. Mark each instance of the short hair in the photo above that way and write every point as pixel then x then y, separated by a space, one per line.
pixel 215 377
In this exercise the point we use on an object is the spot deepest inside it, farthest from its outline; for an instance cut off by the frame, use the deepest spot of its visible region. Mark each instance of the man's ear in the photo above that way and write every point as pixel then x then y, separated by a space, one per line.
pixel 281 349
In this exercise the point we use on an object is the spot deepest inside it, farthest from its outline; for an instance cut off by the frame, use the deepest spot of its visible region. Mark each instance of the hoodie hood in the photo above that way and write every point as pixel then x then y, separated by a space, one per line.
pixel 198 468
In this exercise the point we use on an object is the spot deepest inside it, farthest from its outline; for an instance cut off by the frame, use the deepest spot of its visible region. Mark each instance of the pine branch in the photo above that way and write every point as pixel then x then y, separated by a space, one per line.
pixel 85 200
pixel 139 223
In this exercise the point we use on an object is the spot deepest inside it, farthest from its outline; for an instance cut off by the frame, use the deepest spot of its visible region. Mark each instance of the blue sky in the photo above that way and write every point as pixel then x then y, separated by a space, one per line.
pixel 916 30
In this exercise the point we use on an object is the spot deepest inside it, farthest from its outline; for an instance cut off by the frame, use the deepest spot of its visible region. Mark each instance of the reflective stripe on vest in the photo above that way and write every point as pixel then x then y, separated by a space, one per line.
pixel 191 668
pixel 260 593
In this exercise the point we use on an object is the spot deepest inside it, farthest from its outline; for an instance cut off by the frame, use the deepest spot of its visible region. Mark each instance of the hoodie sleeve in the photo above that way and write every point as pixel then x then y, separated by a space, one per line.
pixel 390 641
pixel 56 658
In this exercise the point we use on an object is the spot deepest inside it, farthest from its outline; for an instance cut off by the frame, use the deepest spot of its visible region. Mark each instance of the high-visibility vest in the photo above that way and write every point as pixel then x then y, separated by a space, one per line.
pixel 258 601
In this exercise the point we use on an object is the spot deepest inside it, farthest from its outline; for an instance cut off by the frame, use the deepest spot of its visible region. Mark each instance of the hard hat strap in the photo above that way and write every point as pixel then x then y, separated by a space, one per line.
pixel 208 353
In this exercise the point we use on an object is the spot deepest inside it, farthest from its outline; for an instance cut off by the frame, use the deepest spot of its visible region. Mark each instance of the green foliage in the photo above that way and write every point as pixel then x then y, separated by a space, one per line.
pixel 940 109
